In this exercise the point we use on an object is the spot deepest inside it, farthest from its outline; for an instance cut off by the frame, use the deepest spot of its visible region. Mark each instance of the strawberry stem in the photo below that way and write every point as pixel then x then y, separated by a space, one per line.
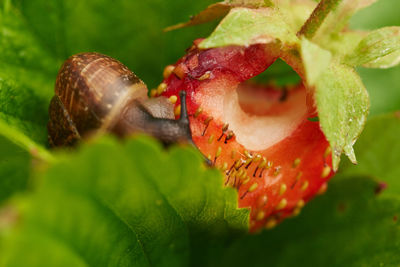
pixel 317 17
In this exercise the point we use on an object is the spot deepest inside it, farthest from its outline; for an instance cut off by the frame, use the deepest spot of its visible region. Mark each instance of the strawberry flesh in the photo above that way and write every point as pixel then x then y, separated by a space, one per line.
pixel 259 136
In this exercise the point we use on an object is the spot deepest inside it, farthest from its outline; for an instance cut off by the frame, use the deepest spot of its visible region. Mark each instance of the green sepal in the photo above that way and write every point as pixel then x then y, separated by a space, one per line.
pixel 244 26
pixel 342 104
pixel 379 49
pixel 315 60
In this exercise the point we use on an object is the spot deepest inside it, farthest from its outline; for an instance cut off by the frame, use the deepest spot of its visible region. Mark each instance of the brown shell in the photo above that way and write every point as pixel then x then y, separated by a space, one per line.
pixel 90 92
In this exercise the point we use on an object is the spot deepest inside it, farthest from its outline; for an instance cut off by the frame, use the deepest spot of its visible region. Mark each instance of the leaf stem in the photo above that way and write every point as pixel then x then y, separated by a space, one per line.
pixel 317 17
pixel 37 151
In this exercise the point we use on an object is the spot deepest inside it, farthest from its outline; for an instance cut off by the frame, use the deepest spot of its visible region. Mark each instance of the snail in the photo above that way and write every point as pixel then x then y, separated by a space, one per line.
pixel 96 93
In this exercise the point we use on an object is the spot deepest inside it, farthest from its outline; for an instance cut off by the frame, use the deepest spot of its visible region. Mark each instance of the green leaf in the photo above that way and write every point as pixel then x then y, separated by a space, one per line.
pixel 125 205
pixel 380 49
pixel 378 152
pixel 342 103
pixel 64 214
pixel 383 86
pixel 14 169
pixel 33 47
pixel 315 60
pixel 348 226
pixel 24 142
pixel 26 78
pixel 244 26
pixel 130 31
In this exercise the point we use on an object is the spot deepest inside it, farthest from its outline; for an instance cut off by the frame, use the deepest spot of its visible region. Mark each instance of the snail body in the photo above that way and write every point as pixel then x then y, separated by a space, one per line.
pixel 96 93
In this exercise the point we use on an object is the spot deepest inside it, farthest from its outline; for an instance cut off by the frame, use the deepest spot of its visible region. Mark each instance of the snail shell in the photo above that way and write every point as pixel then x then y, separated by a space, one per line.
pixel 94 92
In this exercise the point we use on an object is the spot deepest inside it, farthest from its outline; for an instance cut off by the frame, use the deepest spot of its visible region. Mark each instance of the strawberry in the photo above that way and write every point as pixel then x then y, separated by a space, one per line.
pixel 260 136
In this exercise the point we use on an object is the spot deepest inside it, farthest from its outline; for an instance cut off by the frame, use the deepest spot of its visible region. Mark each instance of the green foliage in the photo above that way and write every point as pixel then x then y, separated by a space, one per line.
pixel 33 47
pixel 379 49
pixel 130 31
pixel 382 85
pixel 218 10
pixel 133 204
pixel 26 77
pixel 349 226
pixel 382 13
pixel 243 26
pixel 14 168
pixel 378 152
pixel 111 206
pixel 125 204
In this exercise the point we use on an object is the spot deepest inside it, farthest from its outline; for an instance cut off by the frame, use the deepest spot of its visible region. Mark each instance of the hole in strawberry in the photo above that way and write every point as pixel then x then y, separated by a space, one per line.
pixel 262 115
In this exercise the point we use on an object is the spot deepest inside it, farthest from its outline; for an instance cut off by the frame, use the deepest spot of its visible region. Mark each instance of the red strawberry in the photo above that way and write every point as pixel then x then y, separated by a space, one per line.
pixel 261 138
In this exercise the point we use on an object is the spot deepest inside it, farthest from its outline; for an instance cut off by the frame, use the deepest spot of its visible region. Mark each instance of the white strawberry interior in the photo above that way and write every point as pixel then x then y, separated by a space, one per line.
pixel 256 115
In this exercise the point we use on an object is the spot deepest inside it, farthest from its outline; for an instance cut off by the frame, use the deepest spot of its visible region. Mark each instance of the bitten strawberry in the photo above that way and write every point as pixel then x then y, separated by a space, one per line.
pixel 261 137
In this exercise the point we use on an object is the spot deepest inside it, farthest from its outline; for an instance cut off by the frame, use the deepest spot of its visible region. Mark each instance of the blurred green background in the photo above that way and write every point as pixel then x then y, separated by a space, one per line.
pixel 36 36
pixel 131 31
pixel 383 85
